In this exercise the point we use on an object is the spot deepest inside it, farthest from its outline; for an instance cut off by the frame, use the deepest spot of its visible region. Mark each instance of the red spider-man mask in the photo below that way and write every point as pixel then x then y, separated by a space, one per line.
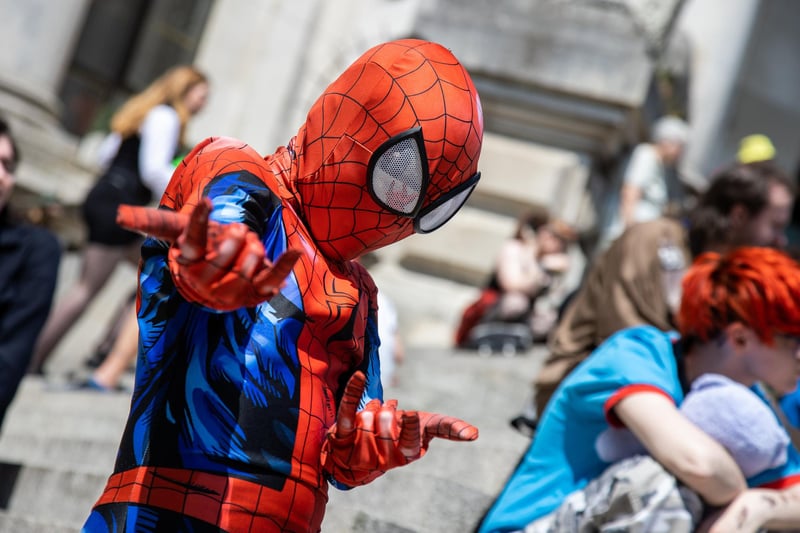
pixel 390 148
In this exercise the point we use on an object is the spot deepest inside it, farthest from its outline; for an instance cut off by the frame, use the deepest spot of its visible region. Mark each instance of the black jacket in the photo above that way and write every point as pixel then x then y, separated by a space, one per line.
pixel 29 260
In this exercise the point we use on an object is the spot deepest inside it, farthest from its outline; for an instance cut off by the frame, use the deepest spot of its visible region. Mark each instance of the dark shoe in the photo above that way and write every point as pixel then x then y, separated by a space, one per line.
pixel 96 360
pixel 525 425
pixel 91 385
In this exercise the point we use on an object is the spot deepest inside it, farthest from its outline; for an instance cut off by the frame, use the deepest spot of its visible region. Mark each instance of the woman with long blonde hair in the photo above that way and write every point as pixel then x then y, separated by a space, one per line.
pixel 147 133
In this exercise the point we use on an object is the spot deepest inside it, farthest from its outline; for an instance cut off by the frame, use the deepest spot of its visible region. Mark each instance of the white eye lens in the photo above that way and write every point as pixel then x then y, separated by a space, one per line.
pixel 442 213
pixel 397 177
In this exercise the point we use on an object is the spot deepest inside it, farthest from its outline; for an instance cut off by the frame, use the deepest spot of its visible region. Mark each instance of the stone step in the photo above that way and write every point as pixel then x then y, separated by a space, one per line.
pixel 50 495
pixel 447 490
pixel 519 176
pixel 49 428
pixel 410 499
pixel 43 408
pixel 463 251
pixel 30 524
pixel 450 488
pixel 88 455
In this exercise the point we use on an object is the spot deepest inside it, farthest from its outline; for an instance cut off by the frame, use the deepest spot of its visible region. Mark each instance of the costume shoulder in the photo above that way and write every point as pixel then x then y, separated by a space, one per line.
pixel 365 281
pixel 213 157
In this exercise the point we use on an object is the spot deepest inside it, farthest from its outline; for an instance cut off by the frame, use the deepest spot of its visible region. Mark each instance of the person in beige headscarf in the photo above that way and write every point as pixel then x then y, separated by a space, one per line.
pixel 651 186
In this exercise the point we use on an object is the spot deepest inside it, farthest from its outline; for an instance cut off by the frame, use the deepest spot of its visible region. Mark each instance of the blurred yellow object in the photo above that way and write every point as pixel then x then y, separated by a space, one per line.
pixel 754 148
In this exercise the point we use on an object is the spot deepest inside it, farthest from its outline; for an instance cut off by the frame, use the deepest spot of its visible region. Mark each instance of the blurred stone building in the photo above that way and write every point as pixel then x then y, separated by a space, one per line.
pixel 568 86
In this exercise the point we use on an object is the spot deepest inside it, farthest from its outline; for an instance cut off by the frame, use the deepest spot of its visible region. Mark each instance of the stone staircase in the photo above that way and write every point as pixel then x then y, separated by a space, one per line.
pixel 58 447
pixel 450 487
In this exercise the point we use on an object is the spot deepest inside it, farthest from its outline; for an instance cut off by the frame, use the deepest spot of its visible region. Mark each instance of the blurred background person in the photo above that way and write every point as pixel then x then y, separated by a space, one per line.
pixel 29 259
pixel 650 183
pixel 738 319
pixel 147 133
pixel 120 358
pixel 754 148
pixel 526 286
pixel 392 349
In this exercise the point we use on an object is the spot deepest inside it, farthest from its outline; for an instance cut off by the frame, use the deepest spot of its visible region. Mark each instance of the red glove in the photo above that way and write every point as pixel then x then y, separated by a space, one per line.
pixel 363 445
pixel 221 266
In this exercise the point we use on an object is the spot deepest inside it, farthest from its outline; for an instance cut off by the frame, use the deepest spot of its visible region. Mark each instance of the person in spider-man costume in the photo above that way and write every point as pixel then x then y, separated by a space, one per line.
pixel 257 382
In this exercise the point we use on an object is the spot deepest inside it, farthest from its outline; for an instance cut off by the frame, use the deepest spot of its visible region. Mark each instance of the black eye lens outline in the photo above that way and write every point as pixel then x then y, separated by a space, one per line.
pixel 469 184
pixel 415 134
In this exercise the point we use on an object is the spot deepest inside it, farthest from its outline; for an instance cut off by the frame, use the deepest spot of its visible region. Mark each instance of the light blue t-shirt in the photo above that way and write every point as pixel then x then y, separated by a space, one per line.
pixel 564 455
pixel 791 406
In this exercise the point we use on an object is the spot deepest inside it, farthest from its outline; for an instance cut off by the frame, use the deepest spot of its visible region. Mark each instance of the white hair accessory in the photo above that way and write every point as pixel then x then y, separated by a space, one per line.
pixel 671 129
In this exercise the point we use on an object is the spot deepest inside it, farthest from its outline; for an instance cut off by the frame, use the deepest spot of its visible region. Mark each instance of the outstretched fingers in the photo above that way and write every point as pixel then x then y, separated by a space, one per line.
pixel 159 223
pixel 189 231
pixel 193 241
pixel 272 277
pixel 446 427
pixel 409 442
pixel 346 417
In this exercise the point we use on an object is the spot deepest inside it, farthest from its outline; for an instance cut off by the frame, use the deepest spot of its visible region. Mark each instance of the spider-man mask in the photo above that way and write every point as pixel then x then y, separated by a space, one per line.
pixel 390 148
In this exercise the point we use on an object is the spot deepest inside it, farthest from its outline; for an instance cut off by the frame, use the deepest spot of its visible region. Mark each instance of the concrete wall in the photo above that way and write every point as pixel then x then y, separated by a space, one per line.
pixel 745 78
pixel 269 60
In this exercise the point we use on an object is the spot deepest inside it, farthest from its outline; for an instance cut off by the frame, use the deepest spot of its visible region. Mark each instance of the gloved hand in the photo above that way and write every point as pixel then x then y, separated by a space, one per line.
pixel 221 266
pixel 363 445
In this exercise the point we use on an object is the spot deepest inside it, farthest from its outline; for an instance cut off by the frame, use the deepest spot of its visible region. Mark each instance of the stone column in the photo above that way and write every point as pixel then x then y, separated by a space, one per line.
pixel 251 86
pixel 38 38
pixel 720 44
pixel 286 53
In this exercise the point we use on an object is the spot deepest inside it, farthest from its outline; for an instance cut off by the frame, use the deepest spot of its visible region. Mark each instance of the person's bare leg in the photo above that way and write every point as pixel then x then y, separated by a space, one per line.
pixel 112 332
pixel 122 354
pixel 132 255
pixel 97 266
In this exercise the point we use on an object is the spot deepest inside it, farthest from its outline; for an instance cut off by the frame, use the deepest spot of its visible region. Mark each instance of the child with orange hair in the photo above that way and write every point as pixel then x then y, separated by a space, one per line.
pixel 739 318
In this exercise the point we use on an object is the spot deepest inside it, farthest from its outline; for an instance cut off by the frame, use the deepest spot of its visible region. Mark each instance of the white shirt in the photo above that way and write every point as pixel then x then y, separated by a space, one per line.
pixel 388 325
pixel 159 132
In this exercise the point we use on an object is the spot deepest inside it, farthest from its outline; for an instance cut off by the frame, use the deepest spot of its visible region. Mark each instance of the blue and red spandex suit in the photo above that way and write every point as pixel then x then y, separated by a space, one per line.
pixel 257 381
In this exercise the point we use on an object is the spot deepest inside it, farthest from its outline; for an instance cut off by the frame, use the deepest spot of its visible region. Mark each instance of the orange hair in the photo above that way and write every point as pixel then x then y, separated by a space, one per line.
pixel 169 88
pixel 758 287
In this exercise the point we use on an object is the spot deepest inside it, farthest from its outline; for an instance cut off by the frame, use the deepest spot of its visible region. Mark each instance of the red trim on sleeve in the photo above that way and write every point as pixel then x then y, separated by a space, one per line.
pixel 782 483
pixel 623 393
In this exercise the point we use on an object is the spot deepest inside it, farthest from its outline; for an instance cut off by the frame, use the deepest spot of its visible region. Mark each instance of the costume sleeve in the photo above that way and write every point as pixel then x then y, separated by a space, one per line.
pixel 160 133
pixel 371 364
pixel 236 184
pixel 371 367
